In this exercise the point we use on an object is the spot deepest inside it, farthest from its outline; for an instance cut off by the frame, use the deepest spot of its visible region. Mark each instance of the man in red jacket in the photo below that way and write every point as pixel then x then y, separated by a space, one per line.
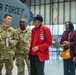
pixel 39 50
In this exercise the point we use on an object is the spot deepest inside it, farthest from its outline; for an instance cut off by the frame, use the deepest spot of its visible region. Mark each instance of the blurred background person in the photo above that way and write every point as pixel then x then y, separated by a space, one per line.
pixel 68 64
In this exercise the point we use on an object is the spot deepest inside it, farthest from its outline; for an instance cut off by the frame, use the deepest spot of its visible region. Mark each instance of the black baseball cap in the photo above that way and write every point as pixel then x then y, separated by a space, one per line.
pixel 39 18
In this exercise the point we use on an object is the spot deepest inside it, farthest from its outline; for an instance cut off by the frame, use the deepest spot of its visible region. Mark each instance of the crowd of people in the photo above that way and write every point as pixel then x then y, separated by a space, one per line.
pixel 32 46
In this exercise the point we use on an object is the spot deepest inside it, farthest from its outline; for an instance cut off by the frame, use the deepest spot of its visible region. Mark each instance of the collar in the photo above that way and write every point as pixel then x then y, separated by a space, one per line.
pixel 5 28
pixel 38 27
pixel 23 31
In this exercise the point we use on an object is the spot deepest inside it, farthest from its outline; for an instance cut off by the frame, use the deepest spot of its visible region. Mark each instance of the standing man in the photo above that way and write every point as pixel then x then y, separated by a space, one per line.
pixel 22 37
pixel 6 45
pixel 39 50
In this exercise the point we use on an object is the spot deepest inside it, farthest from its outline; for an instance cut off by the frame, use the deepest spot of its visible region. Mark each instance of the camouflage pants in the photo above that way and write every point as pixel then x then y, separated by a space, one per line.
pixel 28 63
pixel 21 64
pixel 8 66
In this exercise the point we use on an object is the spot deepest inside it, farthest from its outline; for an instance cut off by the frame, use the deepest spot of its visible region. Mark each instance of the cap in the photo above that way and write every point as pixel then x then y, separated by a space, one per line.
pixel 39 18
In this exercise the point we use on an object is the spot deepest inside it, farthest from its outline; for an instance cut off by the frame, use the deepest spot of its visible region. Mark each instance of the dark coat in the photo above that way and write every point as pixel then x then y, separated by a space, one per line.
pixel 65 38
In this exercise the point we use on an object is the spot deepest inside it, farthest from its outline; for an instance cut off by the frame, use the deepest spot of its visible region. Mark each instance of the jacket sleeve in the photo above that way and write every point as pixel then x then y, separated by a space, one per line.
pixel 75 45
pixel 73 38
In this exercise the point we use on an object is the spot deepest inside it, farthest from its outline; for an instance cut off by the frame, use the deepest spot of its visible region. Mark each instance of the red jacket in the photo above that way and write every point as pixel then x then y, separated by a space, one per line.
pixel 43 52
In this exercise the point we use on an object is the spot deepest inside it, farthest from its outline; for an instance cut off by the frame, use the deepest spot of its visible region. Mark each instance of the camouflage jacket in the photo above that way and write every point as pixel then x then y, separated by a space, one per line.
pixel 6 33
pixel 22 40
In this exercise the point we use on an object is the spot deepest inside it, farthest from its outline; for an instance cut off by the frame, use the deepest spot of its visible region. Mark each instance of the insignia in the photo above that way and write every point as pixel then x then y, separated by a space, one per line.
pixel 42 35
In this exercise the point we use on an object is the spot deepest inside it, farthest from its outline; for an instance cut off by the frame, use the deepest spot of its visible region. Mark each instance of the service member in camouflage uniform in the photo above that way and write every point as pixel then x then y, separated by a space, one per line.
pixel 22 37
pixel 6 45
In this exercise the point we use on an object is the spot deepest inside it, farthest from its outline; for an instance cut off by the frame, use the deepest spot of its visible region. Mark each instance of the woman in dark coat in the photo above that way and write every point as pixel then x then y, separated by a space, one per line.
pixel 69 65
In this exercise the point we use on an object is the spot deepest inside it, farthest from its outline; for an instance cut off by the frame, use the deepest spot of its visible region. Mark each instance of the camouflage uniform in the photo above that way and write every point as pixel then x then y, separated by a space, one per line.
pixel 22 49
pixel 6 53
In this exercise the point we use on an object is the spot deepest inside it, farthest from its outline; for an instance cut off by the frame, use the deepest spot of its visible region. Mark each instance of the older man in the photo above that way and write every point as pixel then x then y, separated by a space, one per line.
pixel 39 49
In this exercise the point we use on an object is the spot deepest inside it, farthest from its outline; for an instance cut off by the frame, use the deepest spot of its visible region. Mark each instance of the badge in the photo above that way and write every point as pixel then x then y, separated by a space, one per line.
pixel 41 36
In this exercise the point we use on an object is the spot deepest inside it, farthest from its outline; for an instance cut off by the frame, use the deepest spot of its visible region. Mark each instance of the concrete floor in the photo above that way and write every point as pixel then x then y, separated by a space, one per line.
pixel 54 66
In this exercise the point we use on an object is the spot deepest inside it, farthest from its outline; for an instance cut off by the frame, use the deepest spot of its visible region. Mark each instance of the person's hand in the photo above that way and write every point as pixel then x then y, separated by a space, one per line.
pixel 66 43
pixel 74 59
pixel 35 48
pixel 9 40
pixel 62 45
